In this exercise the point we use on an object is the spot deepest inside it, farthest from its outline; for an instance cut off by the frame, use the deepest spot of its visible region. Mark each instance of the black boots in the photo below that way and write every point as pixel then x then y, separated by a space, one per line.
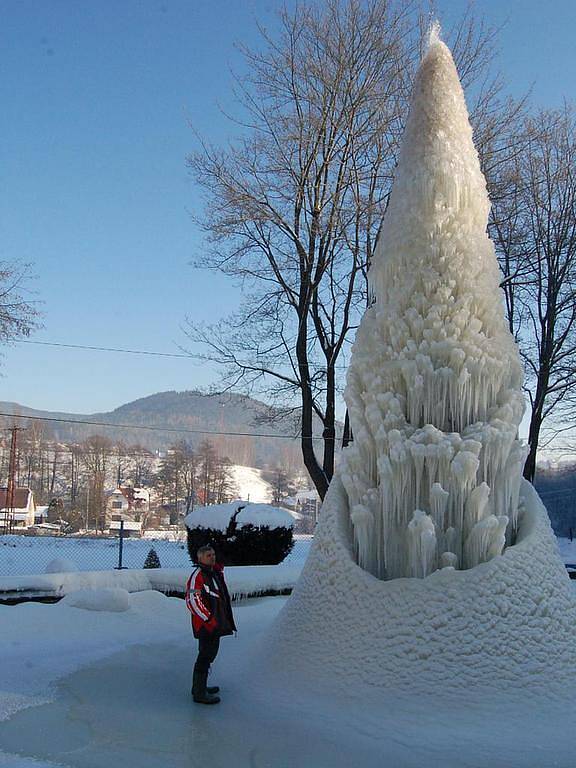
pixel 200 693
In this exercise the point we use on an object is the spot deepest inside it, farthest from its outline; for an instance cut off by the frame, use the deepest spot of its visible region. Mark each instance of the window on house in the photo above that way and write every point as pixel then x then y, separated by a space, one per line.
pixel 116 505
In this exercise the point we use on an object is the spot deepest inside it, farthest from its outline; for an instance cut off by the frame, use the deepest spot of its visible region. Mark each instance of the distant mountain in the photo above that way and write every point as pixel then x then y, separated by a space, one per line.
pixel 189 410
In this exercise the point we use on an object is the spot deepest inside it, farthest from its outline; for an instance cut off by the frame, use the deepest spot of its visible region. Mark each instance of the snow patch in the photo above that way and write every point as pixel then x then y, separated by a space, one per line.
pixel 61 565
pixel 116 600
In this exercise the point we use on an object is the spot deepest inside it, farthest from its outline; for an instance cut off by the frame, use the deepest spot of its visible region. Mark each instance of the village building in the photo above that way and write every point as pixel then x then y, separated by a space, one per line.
pixel 130 505
pixel 21 515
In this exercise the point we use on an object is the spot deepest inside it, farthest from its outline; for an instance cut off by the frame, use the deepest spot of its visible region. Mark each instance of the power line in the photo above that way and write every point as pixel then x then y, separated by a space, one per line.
pixel 94 348
pixel 122 350
pixel 159 429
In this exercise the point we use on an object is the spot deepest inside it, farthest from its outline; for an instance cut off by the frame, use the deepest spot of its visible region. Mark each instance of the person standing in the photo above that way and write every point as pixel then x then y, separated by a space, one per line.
pixel 209 603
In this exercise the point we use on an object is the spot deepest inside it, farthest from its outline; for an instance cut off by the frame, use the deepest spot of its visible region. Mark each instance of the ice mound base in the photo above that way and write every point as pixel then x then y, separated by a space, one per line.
pixel 506 624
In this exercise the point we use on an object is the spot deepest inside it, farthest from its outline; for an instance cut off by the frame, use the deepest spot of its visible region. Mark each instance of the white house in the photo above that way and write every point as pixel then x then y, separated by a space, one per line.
pixel 24 509
pixel 130 505
pixel 117 502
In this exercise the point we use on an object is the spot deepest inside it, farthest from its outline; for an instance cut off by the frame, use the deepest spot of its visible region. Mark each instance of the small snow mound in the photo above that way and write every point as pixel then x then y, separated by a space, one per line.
pixel 60 565
pixel 113 599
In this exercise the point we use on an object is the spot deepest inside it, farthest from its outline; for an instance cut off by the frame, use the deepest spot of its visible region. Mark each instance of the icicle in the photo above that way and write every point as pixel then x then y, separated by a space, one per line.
pixel 486 540
pixel 476 506
pixel 363 524
pixel 421 544
pixel 448 560
pixel 438 503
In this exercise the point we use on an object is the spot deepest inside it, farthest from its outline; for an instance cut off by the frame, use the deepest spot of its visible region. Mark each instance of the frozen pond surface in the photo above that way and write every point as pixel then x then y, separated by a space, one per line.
pixel 122 700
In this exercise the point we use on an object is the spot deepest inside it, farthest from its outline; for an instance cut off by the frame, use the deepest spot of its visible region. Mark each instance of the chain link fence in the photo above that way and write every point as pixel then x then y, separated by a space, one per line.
pixel 23 555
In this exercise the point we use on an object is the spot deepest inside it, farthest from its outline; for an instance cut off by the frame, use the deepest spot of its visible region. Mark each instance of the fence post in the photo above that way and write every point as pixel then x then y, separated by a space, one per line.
pixel 121 544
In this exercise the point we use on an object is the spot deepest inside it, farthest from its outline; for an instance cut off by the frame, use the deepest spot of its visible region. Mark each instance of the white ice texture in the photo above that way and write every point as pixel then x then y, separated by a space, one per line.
pixel 507 624
pixel 434 388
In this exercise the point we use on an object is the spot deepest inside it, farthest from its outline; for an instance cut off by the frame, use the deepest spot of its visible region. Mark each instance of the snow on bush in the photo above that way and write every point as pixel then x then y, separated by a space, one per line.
pixel 61 565
pixel 241 533
pixel 218 516
pixel 114 599
pixel 434 388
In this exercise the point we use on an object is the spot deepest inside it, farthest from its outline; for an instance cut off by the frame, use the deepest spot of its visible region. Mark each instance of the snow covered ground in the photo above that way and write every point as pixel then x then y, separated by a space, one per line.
pixel 567 550
pixel 250 485
pixel 243 581
pixel 108 688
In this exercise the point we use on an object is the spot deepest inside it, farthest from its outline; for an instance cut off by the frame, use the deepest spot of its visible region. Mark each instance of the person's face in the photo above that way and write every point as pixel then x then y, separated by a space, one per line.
pixel 207 558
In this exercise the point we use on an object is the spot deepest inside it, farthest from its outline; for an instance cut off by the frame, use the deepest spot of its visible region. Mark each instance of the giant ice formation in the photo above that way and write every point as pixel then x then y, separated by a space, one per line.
pixel 433 477
pixel 434 385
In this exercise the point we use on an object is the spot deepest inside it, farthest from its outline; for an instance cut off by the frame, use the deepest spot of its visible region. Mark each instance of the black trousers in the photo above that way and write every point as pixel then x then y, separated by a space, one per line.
pixel 207 652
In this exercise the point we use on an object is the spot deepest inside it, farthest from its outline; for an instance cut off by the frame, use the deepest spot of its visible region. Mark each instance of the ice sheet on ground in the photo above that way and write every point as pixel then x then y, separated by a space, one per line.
pixel 123 699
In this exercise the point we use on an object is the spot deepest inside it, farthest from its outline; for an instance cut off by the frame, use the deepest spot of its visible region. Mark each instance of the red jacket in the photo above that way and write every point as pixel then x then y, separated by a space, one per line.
pixel 209 603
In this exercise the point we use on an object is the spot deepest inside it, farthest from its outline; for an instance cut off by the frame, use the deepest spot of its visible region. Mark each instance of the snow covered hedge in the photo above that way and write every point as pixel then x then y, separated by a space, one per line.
pixel 241 533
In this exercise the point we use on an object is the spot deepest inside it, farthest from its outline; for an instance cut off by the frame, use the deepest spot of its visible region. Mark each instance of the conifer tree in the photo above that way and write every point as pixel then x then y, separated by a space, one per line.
pixel 152 559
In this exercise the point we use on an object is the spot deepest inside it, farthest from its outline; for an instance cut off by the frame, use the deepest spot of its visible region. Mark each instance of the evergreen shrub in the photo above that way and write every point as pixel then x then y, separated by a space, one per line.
pixel 152 559
pixel 243 545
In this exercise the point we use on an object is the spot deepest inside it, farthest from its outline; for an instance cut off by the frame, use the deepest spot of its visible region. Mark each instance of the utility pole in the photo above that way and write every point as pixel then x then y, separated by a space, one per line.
pixel 9 508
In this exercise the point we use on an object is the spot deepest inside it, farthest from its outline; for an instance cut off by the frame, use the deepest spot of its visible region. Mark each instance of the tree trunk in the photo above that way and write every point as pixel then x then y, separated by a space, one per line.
pixel 347 434
pixel 329 433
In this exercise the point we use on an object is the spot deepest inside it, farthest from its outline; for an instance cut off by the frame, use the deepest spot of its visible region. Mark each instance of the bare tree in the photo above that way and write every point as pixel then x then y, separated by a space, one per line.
pixel 294 207
pixel 535 233
pixel 96 453
pixel 141 465
pixel 281 484
pixel 187 462
pixel 19 315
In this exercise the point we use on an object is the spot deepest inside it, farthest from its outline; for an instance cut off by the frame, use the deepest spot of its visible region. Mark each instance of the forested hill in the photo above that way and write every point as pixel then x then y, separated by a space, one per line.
pixel 189 410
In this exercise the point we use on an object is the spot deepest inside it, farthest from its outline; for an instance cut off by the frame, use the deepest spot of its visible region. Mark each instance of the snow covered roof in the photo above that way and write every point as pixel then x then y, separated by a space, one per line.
pixel 217 516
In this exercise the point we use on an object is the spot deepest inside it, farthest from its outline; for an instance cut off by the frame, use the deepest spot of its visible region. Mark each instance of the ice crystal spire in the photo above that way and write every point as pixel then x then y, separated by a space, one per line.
pixel 434 386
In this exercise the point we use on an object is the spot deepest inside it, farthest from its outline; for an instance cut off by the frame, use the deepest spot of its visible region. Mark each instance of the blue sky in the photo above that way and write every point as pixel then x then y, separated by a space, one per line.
pixel 96 99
